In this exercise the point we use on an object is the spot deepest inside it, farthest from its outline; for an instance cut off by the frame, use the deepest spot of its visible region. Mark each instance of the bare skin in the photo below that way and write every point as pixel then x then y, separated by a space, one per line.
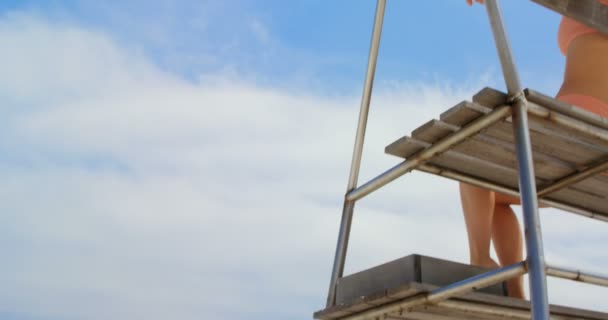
pixel 488 215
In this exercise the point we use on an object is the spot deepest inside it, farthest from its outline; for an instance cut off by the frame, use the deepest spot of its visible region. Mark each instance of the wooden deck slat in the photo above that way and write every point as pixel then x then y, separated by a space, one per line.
pixel 569 151
pixel 544 140
pixel 404 148
pixel 440 313
pixel 466 164
pixel 459 160
pixel 546 137
pixel 433 131
pixel 446 313
pixel 489 148
pixel 593 185
pixel 581 199
pixel 584 139
pixel 490 97
pixel 463 113
pixel 490 155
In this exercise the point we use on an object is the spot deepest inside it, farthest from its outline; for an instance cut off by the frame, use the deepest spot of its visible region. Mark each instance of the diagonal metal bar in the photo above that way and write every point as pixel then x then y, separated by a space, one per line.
pixel 450 174
pixel 568 122
pixel 348 209
pixel 477 282
pixel 573 178
pixel 426 154
pixel 566 109
pixel 480 281
pixel 577 275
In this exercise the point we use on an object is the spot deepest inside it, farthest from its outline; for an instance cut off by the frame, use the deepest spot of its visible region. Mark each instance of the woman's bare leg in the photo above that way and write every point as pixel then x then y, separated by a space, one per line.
pixel 507 239
pixel 478 209
pixel 488 217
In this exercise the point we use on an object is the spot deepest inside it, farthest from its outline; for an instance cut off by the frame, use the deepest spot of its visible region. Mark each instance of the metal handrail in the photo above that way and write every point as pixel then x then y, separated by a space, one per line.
pixel 577 275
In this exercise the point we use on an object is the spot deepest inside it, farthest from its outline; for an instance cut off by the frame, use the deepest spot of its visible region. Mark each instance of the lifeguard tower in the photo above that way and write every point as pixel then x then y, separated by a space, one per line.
pixel 521 143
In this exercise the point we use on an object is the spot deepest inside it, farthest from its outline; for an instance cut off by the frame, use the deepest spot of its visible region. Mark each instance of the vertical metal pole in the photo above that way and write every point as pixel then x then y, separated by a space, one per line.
pixel 527 183
pixel 367 95
pixel 347 212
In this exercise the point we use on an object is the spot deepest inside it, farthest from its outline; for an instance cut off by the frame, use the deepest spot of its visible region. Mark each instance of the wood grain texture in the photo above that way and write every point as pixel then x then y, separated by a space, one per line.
pixel 490 155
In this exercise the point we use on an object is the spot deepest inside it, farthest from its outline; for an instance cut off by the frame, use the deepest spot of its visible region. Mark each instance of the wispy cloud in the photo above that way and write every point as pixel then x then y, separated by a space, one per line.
pixel 129 192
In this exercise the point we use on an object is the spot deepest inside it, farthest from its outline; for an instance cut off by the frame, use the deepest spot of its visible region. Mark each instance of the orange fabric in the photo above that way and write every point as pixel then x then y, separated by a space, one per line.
pixel 570 29
pixel 586 102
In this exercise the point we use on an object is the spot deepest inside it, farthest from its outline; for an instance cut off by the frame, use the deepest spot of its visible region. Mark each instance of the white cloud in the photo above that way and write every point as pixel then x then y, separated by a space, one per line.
pixel 131 193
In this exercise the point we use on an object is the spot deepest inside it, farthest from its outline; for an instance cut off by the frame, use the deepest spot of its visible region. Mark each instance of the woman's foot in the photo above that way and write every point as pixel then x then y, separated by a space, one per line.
pixel 486 263
pixel 515 287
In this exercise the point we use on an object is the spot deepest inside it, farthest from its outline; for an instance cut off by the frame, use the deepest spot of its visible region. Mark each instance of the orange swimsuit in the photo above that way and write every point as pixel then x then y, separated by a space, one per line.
pixel 570 29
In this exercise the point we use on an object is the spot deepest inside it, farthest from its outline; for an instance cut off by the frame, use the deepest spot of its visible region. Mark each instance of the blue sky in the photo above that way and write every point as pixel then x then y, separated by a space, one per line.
pixel 317 42
pixel 158 157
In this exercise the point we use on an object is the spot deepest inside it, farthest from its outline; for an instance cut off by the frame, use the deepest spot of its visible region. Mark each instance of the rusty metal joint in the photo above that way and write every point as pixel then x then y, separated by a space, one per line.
pixel 515 98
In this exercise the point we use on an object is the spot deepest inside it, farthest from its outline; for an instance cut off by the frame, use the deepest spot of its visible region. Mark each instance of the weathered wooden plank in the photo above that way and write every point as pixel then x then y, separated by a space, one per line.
pixel 567 153
pixel 597 185
pixel 466 164
pixel 398 317
pixel 506 176
pixel 434 312
pixel 566 108
pixel 490 97
pixel 495 150
pixel 433 131
pixel 546 167
pixel 576 154
pixel 372 301
pixel 447 313
pixel 573 154
pixel 463 113
pixel 518 304
pixel 403 148
pixel 552 161
pixel 469 163
pixel 558 151
pixel 430 313
pixel 503 131
pixel 580 199
pixel 593 186
pixel 549 127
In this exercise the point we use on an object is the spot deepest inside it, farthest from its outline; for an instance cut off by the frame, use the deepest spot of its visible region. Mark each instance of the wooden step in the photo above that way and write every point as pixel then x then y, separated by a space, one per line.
pixel 382 286
pixel 559 150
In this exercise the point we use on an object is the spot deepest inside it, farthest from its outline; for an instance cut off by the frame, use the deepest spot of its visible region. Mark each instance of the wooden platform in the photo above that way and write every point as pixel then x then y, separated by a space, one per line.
pixel 558 150
pixel 469 306
pixel 412 268
pixel 369 289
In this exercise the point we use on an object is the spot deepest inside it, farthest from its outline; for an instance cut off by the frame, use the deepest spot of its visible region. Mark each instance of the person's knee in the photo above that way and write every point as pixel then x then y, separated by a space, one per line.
pixel 507 200
pixel 468 191
pixel 502 207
